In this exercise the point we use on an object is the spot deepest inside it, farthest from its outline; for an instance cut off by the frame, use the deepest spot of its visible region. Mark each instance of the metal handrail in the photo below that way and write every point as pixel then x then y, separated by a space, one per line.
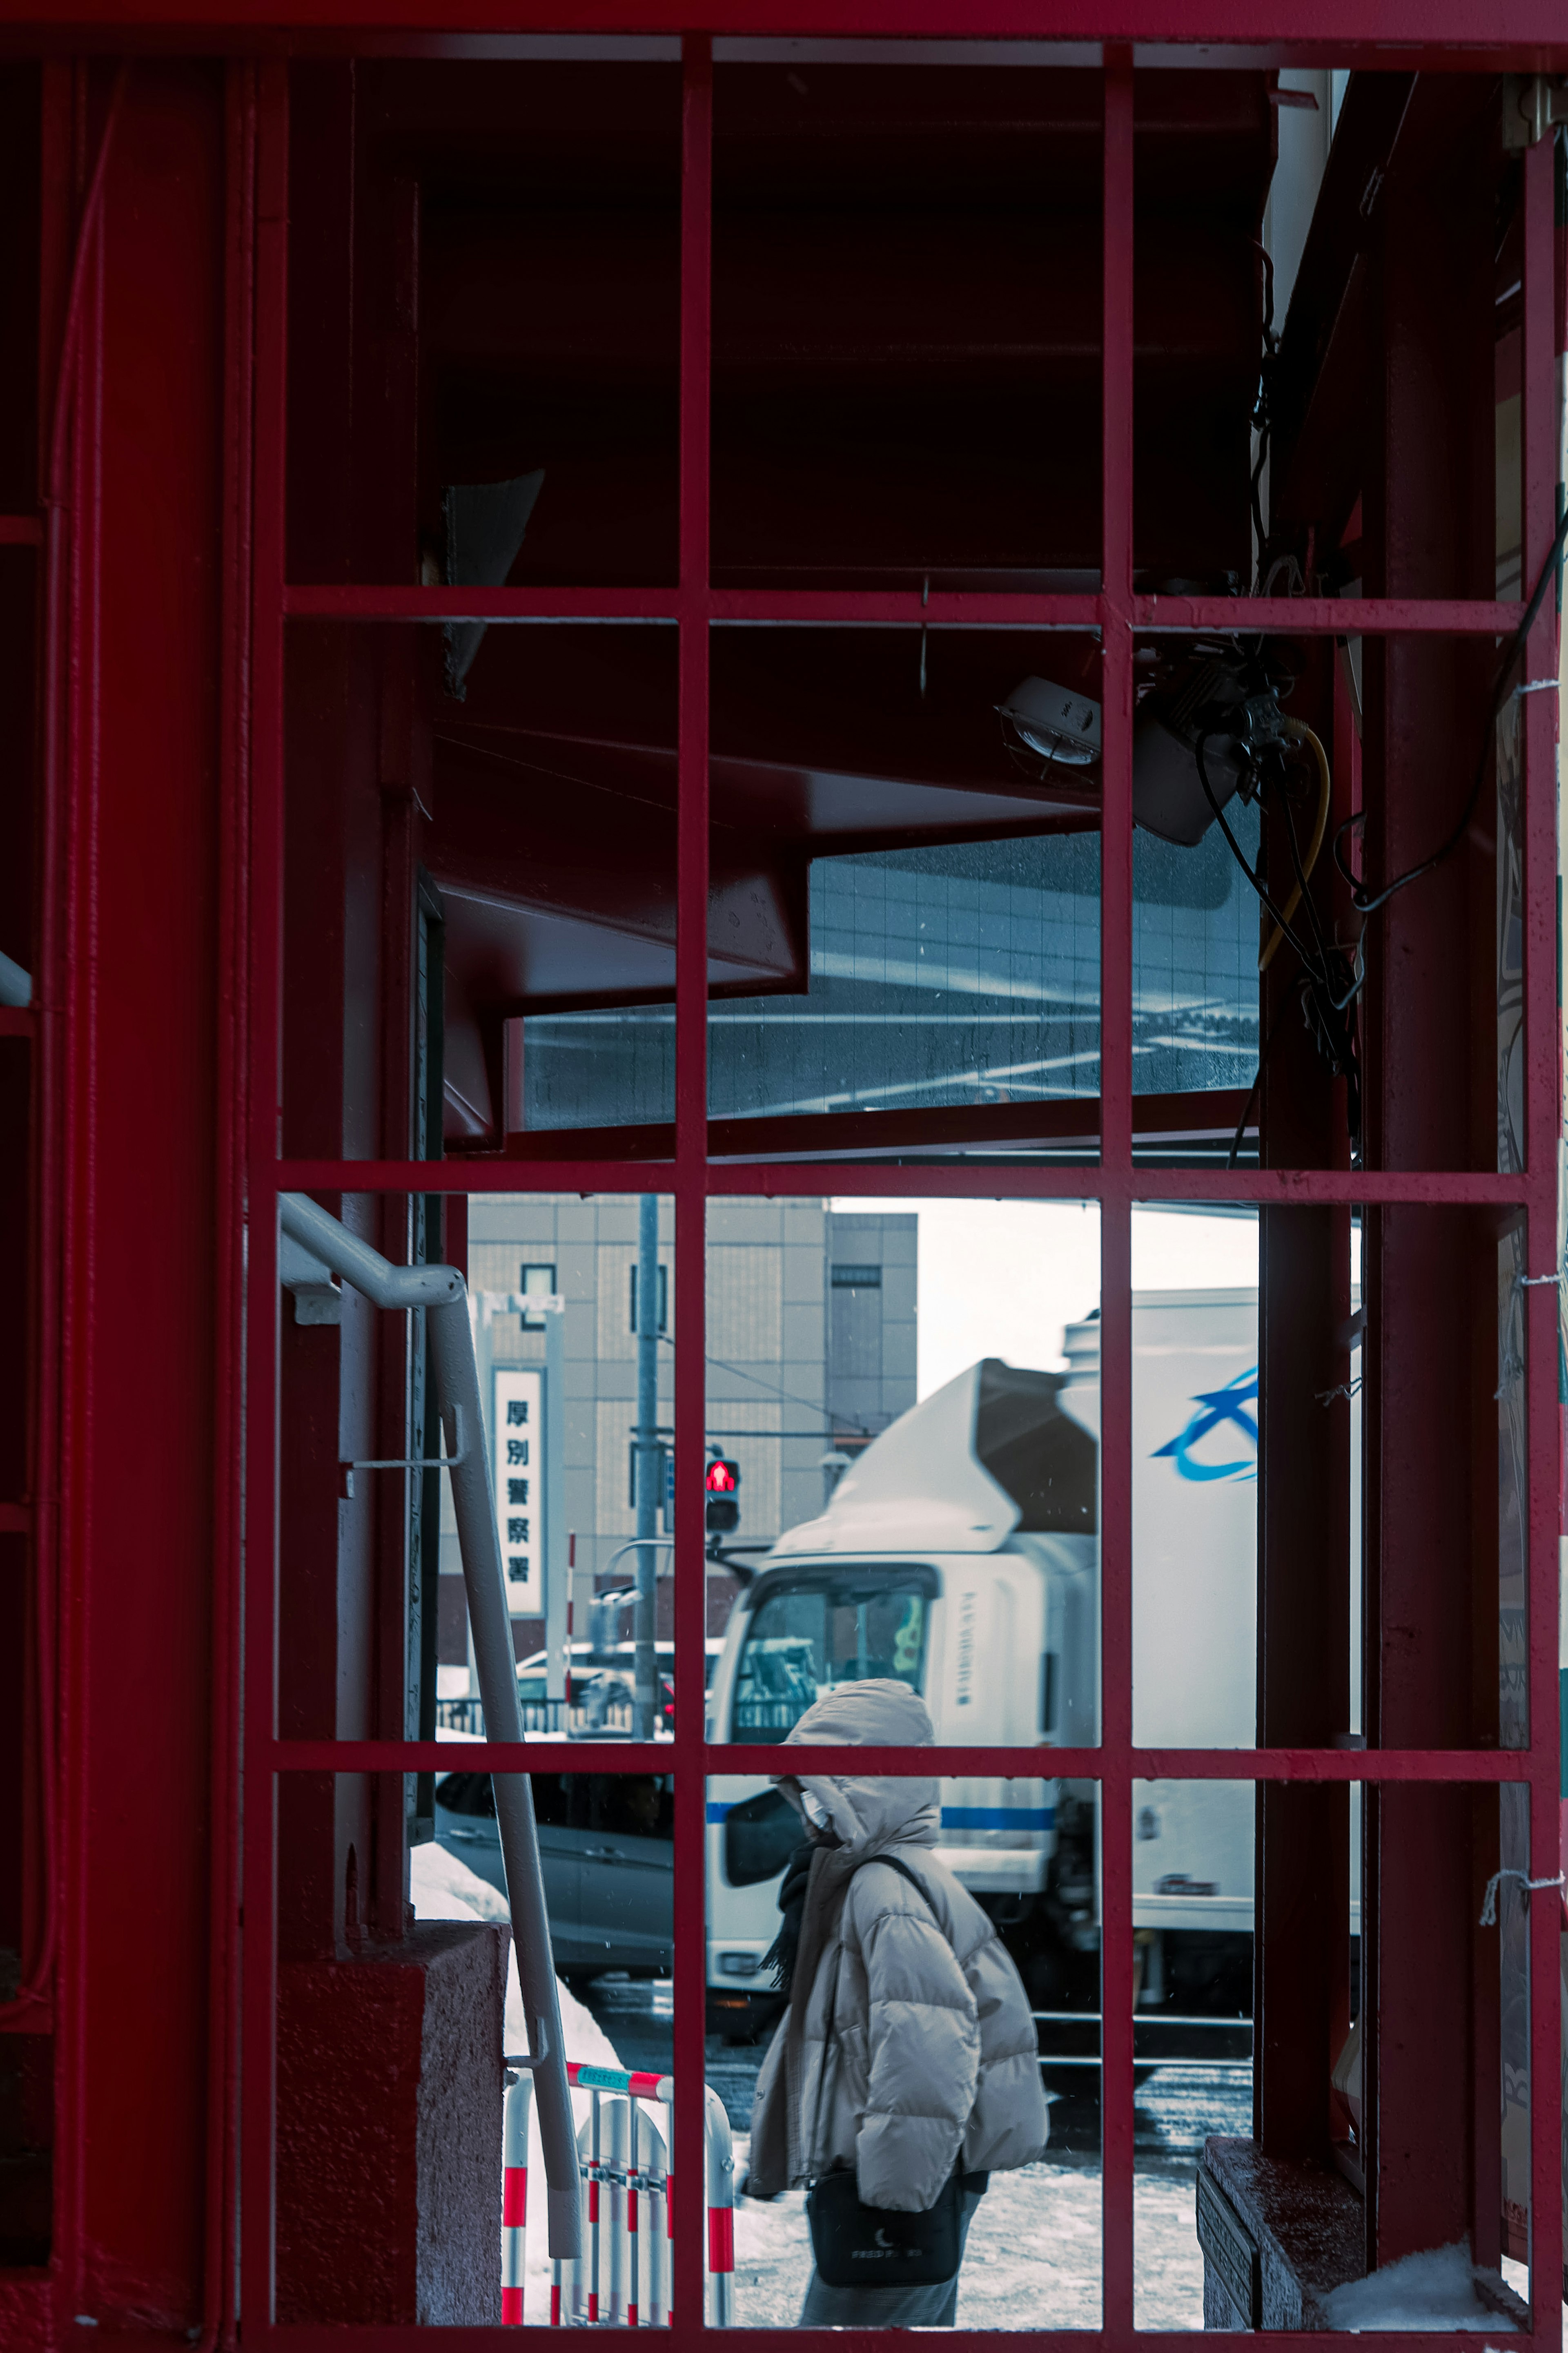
pixel 441 1291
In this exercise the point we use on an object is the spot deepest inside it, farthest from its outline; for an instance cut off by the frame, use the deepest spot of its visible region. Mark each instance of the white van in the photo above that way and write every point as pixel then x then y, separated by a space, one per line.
pixel 960 1553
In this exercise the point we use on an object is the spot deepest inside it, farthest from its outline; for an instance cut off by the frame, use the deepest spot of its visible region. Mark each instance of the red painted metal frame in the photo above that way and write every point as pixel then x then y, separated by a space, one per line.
pixel 1116 1183
pixel 1322 616
pixel 1392 34
pixel 1072 1181
pixel 687 2283
pixel 1484 1764
pixel 1543 1128
pixel 258 2037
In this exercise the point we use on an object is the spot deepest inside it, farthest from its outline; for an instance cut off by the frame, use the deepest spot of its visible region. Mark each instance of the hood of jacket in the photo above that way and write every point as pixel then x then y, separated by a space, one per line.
pixel 868 1811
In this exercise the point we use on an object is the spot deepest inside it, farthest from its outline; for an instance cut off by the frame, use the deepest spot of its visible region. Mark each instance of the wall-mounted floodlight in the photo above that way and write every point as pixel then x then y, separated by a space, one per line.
pixel 1045 726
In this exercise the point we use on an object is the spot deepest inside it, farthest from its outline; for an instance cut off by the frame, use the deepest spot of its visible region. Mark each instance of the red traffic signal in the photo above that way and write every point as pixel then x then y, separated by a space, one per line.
pixel 721 1504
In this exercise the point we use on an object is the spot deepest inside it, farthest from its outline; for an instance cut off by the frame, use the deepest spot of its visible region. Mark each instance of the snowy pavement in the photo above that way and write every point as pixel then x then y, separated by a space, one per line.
pixel 1033 2259
pixel 1033 2254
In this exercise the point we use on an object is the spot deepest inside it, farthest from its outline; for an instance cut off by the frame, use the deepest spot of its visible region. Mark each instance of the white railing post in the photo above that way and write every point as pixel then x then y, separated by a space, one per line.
pixel 633 2121
pixel 596 2173
pixel 625 2161
pixel 654 2236
pixel 720 2152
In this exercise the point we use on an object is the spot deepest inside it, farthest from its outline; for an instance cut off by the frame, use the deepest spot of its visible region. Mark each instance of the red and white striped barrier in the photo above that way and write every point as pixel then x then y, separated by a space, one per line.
pixel 514 2197
pixel 721 2157
pixel 624 2278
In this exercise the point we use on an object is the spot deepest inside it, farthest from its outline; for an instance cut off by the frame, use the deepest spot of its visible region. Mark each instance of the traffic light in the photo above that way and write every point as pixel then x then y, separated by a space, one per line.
pixel 722 1503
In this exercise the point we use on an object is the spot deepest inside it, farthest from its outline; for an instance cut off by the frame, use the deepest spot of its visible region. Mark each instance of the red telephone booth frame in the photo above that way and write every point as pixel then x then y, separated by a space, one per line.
pixel 261 600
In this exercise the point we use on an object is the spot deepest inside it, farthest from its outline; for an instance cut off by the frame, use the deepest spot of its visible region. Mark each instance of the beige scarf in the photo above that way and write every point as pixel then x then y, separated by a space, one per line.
pixel 778 2160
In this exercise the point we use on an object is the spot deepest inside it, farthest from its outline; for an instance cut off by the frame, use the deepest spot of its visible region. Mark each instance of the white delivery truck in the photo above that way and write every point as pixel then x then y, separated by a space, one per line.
pixel 960 1552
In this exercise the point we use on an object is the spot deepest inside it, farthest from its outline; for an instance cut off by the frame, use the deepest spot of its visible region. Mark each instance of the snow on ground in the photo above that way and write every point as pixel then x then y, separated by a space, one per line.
pixel 1168 2262
pixel 1433 2290
pixel 444 1889
pixel 1033 2259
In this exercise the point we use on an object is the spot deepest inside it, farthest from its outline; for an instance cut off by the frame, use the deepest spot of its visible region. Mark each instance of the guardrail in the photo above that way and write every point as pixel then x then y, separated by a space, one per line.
pixel 623 2279
pixel 612 1723
pixel 1207 2023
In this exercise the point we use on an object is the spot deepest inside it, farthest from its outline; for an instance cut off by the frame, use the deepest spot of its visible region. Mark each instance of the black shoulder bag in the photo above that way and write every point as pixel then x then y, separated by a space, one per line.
pixel 857 2245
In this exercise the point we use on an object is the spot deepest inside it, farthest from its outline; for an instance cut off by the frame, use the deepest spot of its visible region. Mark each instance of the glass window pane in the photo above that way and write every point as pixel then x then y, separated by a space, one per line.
pixel 421 2069
pixel 484 293
pixel 889 402
pixel 1274 2077
pixel 906 866
pixel 1269 1541
pixel 917 1463
pixel 467 880
pixel 569 1396
pixel 1032 2251
pixel 1192 2037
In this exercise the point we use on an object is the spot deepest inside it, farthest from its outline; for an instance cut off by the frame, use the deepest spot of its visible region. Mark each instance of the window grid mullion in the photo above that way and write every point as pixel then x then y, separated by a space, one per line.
pixel 1116 1170
pixel 689 2202
pixel 264 947
pixel 1544 1127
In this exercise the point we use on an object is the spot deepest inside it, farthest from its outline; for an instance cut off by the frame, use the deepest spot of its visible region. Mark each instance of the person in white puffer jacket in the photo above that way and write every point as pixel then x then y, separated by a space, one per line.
pixel 906 2047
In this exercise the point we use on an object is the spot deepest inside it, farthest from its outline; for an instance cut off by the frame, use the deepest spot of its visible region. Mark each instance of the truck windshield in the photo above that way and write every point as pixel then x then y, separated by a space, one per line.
pixel 808 1635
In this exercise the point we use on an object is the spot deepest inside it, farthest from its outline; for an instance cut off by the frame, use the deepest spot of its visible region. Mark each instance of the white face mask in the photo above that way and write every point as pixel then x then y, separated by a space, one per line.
pixel 816 1812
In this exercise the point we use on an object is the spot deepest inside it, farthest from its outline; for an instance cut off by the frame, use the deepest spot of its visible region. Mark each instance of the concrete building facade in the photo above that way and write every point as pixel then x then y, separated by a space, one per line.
pixel 811 1336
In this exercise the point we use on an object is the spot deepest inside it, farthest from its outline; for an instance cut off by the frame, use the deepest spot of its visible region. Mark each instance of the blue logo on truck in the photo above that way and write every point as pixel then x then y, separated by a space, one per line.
pixel 1216 1407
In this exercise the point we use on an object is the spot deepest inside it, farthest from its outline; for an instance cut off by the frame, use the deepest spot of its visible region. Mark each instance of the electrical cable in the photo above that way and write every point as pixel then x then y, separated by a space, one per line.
pixel 813 1405
pixel 1282 919
pixel 1247 1108
pixel 1262 408
pixel 1367 903
pixel 1299 731
pixel 1330 979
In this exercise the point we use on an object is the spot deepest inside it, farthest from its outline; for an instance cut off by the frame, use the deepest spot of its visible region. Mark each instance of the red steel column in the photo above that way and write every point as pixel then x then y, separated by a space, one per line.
pixel 1544 1124
pixel 145 779
pixel 1431 1044
pixel 1300 1949
pixel 264 1136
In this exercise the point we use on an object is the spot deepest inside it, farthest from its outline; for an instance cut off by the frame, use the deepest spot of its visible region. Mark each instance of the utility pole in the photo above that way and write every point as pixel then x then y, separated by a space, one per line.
pixel 649 1462
pixel 557 1575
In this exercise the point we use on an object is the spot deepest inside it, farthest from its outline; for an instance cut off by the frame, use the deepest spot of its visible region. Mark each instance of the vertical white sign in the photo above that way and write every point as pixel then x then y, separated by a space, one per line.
pixel 518 1429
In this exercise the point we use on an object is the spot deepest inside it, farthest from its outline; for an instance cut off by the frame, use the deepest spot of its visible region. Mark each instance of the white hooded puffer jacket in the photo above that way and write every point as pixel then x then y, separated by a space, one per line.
pixel 908 2044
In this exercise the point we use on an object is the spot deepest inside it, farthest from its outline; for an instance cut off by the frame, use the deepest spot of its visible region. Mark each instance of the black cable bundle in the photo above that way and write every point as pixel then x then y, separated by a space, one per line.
pixel 1328 981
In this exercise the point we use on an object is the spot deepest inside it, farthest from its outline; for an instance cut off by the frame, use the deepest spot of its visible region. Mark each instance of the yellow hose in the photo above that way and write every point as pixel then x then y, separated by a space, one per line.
pixel 1299 732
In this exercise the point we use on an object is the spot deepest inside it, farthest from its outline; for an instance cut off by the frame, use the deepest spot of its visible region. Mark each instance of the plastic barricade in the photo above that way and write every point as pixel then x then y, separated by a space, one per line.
pixel 624 2278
